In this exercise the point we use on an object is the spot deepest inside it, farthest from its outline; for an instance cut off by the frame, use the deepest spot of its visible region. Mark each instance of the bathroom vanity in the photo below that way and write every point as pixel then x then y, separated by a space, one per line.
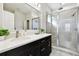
pixel 35 45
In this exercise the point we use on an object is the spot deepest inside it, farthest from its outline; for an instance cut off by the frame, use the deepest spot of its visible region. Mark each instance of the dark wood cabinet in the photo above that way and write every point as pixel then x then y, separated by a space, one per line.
pixel 35 51
pixel 41 47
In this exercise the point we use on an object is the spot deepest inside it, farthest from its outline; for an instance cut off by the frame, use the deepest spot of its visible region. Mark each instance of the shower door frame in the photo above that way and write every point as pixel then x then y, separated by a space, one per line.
pixel 76 31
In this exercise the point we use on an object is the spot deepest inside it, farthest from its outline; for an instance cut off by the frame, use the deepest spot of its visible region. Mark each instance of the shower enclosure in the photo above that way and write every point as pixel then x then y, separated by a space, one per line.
pixel 66 28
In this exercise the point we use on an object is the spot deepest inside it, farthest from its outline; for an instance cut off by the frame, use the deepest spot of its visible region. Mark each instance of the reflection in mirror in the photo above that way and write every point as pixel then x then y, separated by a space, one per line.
pixel 20 16
pixel 27 24
pixel 8 20
pixel 35 23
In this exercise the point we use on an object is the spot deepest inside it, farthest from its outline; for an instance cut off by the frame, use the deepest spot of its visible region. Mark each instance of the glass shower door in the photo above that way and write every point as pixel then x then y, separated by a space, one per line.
pixel 67 33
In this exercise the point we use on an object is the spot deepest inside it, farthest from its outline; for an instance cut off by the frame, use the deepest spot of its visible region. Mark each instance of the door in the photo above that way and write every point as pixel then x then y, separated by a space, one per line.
pixel 67 33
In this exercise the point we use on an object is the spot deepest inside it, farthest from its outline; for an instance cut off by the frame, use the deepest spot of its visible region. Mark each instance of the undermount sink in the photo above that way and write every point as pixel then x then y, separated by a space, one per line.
pixel 37 33
pixel 28 37
pixel 24 37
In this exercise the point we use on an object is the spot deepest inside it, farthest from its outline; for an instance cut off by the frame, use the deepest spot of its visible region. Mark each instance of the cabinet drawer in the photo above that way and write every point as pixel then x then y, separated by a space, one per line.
pixel 35 43
pixel 46 39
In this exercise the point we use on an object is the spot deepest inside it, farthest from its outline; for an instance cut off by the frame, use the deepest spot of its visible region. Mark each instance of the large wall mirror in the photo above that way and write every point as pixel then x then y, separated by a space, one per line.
pixel 20 16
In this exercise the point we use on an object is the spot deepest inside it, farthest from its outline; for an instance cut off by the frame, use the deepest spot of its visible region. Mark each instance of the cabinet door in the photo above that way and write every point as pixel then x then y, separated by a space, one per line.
pixel 46 46
pixel 45 51
pixel 35 51
pixel 17 51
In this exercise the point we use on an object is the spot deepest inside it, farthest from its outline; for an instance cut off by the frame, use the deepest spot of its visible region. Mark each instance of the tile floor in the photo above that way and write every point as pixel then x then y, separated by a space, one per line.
pixel 56 52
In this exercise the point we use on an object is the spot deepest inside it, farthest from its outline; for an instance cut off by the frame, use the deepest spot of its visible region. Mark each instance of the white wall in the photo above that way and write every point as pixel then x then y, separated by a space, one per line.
pixel 44 11
pixel 1 6
pixel 1 16
pixel 19 20
pixel 8 20
pixel 1 9
pixel 43 17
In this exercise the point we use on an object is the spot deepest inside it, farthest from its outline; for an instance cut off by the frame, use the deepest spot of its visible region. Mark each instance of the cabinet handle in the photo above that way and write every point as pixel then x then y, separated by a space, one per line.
pixel 42 49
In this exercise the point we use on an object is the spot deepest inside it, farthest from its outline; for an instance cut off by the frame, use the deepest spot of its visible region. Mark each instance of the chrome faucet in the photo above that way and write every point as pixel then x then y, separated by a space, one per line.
pixel 17 34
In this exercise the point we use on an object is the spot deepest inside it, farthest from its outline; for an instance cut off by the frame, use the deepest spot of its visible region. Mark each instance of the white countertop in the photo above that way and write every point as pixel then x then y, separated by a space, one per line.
pixel 12 43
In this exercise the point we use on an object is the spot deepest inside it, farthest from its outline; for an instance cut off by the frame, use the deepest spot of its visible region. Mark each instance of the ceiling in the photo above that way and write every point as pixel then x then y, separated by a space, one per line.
pixel 23 7
pixel 16 6
pixel 54 6
pixel 57 6
pixel 68 13
pixel 65 10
